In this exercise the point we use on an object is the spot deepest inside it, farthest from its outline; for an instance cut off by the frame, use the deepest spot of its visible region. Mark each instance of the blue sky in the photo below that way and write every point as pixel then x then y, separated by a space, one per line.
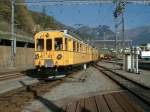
pixel 96 14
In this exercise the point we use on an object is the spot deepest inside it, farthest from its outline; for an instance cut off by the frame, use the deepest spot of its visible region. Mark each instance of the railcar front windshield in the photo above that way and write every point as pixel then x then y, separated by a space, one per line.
pixel 58 44
pixel 40 45
pixel 49 44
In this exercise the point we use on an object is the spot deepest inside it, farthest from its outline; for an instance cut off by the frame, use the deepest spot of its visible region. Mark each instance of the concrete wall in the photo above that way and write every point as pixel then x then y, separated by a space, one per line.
pixel 24 58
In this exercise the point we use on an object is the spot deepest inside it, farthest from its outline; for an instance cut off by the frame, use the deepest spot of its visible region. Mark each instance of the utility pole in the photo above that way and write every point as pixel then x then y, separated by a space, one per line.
pixel 104 34
pixel 116 31
pixel 119 17
pixel 123 33
pixel 116 42
pixel 13 38
pixel 44 16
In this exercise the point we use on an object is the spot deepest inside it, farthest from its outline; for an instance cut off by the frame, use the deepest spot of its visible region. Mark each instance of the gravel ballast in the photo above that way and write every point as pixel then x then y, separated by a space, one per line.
pixel 80 85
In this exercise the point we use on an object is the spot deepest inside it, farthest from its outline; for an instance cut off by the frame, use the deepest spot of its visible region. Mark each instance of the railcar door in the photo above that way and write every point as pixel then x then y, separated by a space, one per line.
pixel 70 50
pixel 66 52
pixel 58 54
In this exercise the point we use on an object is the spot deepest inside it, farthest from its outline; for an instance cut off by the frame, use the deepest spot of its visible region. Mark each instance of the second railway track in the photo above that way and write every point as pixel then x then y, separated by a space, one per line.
pixel 140 91
pixel 17 98
pixel 8 76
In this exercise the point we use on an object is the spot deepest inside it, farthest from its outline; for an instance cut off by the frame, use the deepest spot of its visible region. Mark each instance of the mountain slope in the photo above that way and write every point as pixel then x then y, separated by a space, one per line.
pixel 95 33
pixel 26 22
pixel 139 35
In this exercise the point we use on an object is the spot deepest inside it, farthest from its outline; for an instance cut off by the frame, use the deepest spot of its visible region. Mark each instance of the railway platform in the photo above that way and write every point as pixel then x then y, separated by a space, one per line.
pixel 142 78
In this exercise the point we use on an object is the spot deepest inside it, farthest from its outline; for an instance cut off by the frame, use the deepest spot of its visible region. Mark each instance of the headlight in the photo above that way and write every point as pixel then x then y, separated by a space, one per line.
pixel 36 56
pixel 59 56
pixel 47 35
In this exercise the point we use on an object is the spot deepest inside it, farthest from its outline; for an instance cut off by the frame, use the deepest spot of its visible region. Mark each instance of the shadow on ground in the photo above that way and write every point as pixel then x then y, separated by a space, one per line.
pixel 49 104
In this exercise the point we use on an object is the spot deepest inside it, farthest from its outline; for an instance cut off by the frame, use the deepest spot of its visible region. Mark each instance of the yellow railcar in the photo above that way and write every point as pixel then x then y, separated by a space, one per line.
pixel 58 49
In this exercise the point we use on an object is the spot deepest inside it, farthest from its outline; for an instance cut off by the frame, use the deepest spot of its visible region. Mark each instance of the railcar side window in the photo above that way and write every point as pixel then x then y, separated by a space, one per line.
pixel 81 50
pixel 66 44
pixel 86 49
pixel 74 46
pixel 77 47
pixel 58 44
pixel 49 44
pixel 40 44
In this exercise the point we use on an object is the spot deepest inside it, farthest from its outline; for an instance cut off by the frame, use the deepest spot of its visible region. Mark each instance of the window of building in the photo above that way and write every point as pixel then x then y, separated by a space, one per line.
pixel 40 44
pixel 49 44
pixel 58 44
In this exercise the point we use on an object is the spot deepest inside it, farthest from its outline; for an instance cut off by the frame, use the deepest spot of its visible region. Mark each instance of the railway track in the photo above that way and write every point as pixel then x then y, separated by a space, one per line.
pixel 16 99
pixel 140 91
pixel 9 75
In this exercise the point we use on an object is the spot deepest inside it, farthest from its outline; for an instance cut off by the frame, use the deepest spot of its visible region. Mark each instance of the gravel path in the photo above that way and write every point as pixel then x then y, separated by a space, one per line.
pixel 89 81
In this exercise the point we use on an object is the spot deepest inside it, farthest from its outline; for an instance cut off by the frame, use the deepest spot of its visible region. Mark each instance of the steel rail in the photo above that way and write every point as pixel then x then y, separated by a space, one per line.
pixel 139 90
pixel 28 93
pixel 10 76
